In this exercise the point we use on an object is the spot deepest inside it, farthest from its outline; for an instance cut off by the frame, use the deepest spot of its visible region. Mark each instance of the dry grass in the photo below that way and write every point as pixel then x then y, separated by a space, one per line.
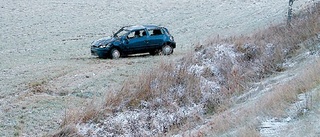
pixel 316 96
pixel 248 131
pixel 287 93
pixel 283 46
pixel 271 47
pixel 68 131
pixel 174 82
pixel 274 103
pixel 38 86
pixel 92 111
pixel 242 121
pixel 158 83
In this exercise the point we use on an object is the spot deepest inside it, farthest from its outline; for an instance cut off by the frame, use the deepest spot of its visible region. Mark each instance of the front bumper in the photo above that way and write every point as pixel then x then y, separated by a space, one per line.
pixel 100 52
pixel 173 44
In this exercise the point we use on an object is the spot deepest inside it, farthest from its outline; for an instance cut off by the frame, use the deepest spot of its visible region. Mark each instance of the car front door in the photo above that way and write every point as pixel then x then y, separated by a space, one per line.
pixel 136 42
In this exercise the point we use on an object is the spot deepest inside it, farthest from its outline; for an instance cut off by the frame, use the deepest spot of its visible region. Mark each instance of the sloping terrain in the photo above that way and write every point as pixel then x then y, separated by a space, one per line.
pixel 234 87
pixel 45 65
pixel 259 112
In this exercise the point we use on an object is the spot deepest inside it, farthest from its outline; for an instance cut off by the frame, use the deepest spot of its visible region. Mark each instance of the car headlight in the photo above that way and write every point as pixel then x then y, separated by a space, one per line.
pixel 104 46
pixel 171 38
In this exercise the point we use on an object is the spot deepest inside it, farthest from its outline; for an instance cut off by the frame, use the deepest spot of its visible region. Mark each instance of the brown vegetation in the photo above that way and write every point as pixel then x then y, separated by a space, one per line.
pixel 287 93
pixel 68 131
pixel 171 86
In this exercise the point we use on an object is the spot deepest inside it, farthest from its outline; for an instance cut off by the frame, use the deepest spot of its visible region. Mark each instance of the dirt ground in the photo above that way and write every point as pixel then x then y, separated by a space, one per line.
pixel 46 67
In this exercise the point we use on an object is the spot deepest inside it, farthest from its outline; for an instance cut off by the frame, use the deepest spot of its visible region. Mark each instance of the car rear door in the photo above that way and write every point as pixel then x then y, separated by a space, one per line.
pixel 155 40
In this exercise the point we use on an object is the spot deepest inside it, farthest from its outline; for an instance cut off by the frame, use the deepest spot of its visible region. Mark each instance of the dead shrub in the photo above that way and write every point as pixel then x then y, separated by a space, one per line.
pixel 67 131
pixel 92 111
pixel 71 116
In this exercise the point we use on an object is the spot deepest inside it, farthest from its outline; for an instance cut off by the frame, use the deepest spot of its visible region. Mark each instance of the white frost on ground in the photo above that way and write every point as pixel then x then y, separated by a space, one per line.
pixel 47 42
pixel 272 127
pixel 301 108
pixel 142 122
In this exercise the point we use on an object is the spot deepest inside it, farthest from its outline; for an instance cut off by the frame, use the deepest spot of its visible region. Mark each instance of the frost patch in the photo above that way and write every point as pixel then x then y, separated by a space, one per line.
pixel 273 127
pixel 143 122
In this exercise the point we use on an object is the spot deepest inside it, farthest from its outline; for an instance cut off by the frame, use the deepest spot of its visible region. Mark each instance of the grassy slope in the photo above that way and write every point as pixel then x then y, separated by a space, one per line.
pixel 172 87
pixel 289 96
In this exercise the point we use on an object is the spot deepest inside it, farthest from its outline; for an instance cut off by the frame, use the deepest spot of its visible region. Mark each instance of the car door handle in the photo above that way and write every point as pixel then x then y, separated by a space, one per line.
pixel 146 41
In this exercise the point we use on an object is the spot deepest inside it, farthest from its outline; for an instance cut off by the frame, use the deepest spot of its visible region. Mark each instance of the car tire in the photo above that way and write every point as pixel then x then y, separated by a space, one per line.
pixel 167 50
pixel 115 54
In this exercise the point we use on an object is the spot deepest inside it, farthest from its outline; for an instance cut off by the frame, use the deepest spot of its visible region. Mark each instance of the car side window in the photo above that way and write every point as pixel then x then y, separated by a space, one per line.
pixel 136 34
pixel 144 33
pixel 154 32
pixel 131 35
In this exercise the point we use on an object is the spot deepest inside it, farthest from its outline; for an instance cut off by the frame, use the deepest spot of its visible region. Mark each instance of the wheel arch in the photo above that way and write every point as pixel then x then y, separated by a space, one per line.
pixel 173 45
pixel 117 48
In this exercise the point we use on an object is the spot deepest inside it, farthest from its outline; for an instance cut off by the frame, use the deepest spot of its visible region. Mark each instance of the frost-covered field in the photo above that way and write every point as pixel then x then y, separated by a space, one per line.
pixel 45 63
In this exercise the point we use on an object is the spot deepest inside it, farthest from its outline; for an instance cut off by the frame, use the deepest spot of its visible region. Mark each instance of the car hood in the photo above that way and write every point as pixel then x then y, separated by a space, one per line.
pixel 103 41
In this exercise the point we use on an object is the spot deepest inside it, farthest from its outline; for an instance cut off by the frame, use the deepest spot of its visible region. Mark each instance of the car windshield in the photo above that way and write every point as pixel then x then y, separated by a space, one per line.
pixel 121 32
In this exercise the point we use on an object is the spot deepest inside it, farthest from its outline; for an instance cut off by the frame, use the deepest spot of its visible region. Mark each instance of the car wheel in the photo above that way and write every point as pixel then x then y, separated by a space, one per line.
pixel 167 50
pixel 115 54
